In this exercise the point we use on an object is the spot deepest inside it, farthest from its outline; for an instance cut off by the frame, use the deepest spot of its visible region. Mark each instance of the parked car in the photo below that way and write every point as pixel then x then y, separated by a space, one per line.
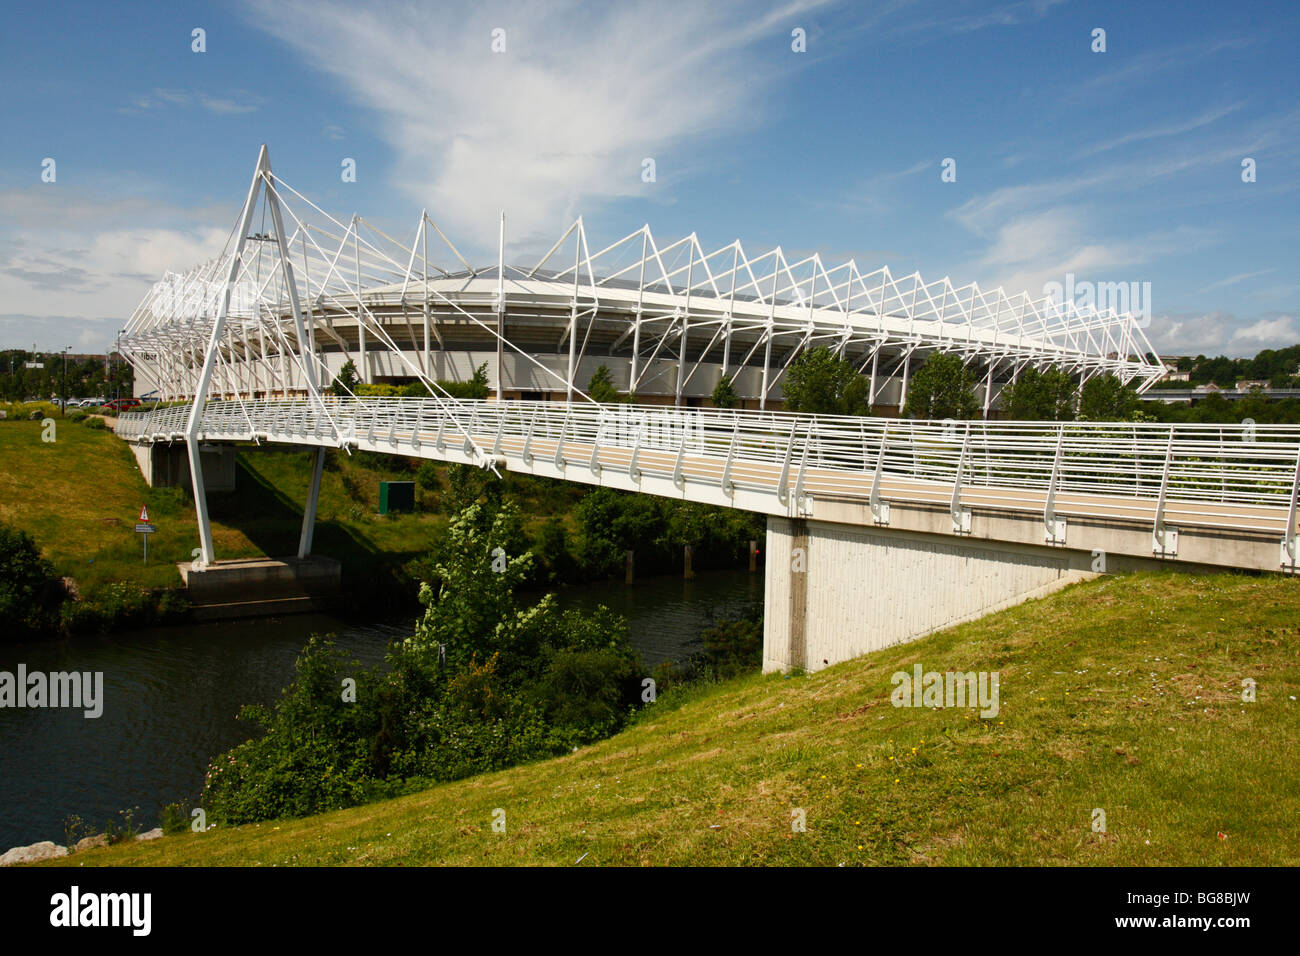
pixel 121 404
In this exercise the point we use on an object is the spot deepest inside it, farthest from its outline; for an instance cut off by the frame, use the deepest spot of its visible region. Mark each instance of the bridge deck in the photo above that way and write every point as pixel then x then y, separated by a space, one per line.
pixel 1241 484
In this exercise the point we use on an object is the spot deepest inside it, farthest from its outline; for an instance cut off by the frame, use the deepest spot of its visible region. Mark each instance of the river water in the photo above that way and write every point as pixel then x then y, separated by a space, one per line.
pixel 171 695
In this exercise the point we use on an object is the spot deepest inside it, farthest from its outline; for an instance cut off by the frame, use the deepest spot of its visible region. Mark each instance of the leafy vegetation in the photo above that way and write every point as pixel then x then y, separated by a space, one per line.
pixel 822 382
pixel 1050 396
pixel 724 393
pixel 487 680
pixel 611 523
pixel 943 387
pixel 601 387
pixel 31 594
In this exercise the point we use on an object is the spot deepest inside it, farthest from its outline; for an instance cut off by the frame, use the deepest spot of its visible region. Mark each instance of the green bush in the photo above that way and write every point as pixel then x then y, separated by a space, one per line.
pixel 31 594
pixel 485 682
pixel 173 819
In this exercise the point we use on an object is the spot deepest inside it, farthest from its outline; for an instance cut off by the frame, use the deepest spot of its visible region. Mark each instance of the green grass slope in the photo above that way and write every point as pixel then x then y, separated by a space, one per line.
pixel 1122 694
pixel 79 496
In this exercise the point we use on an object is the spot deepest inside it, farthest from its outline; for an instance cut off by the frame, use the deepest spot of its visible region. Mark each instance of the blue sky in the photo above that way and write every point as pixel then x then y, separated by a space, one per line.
pixel 1122 166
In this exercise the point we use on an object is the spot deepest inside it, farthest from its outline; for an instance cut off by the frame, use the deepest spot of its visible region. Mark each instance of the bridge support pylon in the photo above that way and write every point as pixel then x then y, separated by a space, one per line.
pixel 309 509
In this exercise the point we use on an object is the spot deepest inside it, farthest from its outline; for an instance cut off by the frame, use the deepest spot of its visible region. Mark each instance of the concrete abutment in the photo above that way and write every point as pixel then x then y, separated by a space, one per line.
pixel 166 465
pixel 837 591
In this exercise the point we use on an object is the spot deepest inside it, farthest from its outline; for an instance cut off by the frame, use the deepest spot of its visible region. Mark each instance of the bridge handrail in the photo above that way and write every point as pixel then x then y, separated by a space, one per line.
pixel 1241 465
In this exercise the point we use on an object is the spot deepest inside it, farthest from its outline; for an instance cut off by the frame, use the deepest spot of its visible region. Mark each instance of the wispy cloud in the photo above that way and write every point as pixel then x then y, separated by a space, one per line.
pixel 1162 131
pixel 563 118
pixel 1123 72
pixel 1233 280
pixel 233 103
pixel 65 253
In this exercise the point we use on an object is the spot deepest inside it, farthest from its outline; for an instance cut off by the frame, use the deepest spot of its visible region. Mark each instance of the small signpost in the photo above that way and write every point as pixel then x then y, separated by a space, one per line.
pixel 144 529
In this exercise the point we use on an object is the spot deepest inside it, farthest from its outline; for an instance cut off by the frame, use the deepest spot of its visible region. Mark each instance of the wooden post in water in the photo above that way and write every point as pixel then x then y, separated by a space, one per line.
pixel 688 572
pixel 753 556
pixel 630 566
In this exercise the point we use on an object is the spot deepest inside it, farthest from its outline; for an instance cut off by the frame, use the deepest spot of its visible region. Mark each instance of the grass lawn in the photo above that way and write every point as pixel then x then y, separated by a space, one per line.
pixel 80 495
pixel 1123 694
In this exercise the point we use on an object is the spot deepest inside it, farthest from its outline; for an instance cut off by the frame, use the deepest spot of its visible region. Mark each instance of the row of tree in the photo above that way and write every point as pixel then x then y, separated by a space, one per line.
pixel 84 377
pixel 1279 367
pixel 821 382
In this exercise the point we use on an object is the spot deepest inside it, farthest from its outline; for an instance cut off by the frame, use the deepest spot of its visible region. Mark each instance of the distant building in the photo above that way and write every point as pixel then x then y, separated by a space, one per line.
pixel 1172 374
pixel 1245 385
pixel 1207 388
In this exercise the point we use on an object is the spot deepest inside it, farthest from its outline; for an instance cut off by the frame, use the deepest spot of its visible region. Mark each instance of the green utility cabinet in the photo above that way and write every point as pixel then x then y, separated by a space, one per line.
pixel 396 497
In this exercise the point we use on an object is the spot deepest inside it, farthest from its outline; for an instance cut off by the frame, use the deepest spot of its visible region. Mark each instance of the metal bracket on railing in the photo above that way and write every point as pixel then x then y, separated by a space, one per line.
pixel 679 477
pixel 501 427
pixel 1290 546
pixel 633 471
pixel 1053 526
pixel 783 484
pixel 471 450
pixel 960 515
pixel 527 453
pixel 594 464
pixel 419 426
pixel 801 504
pixel 879 509
pixel 1164 541
pixel 439 442
pixel 392 432
pixel 559 445
pixel 728 488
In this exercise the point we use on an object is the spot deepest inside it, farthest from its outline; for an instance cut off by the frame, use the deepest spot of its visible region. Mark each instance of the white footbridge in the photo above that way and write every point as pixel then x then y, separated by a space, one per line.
pixel 879 529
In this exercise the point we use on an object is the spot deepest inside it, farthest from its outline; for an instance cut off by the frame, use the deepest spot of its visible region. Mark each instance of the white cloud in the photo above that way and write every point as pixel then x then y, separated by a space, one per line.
pixel 63 254
pixel 1268 332
pixel 1221 333
pixel 238 101
pixel 558 122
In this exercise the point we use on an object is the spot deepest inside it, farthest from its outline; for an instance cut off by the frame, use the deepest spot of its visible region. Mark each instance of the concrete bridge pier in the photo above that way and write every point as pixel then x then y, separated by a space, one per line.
pixel 166 465
pixel 837 591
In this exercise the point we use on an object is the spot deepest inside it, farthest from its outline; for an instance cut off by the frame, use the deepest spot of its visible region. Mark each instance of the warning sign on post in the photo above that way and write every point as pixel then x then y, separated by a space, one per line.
pixel 144 514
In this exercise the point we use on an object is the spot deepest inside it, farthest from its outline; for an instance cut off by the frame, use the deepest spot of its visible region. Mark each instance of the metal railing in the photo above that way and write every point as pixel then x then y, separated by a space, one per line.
pixel 1231 476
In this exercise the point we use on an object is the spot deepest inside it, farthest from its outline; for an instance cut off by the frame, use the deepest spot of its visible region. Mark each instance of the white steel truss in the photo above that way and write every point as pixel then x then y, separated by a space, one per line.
pixel 676 313
pixel 296 288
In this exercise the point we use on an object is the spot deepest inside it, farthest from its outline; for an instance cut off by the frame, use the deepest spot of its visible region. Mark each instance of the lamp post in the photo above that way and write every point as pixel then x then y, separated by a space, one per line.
pixel 63 391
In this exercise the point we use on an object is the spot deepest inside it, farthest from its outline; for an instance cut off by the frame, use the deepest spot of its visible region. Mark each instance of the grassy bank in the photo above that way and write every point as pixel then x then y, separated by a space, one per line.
pixel 1123 694
pixel 79 497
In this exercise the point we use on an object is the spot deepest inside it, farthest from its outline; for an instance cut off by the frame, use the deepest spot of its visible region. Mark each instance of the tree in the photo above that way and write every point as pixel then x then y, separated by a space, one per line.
pixel 724 393
pixel 601 387
pixel 1041 396
pixel 31 594
pixel 346 381
pixel 819 382
pixel 942 388
pixel 1105 398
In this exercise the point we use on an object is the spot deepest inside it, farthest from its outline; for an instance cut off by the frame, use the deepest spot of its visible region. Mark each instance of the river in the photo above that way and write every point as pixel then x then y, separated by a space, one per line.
pixel 171 695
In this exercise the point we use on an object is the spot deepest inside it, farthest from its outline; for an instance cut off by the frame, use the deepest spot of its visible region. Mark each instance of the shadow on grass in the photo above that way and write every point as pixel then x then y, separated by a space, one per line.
pixel 272 521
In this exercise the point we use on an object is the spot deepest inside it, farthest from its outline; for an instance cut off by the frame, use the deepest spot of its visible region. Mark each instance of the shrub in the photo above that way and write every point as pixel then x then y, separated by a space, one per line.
pixel 173 819
pixel 485 682
pixel 31 594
